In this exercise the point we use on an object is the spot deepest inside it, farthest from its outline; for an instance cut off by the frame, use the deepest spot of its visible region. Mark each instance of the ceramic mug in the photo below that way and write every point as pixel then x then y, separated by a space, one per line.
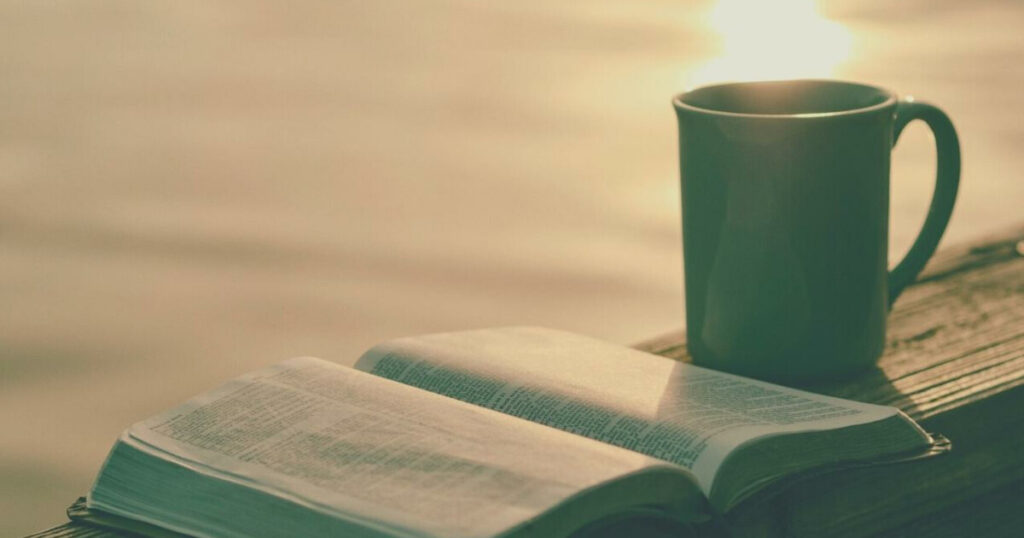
pixel 785 194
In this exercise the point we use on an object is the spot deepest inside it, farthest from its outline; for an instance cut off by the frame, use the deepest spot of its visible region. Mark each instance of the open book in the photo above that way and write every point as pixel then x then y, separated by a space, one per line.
pixel 497 432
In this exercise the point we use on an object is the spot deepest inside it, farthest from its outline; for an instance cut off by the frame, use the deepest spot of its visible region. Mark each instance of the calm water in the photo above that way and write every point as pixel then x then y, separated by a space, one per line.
pixel 190 191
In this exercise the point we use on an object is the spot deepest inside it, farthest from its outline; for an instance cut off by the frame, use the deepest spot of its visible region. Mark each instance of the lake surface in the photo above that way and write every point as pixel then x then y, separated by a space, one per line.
pixel 193 190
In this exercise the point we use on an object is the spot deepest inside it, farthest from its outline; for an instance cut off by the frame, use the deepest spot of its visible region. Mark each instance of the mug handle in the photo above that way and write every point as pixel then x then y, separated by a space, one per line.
pixel 947 153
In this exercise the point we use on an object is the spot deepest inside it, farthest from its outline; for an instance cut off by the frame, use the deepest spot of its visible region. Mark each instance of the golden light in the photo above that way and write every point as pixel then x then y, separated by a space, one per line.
pixel 773 40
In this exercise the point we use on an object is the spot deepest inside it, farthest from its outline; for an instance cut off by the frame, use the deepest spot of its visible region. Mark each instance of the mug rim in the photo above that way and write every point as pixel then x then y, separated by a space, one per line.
pixel 681 105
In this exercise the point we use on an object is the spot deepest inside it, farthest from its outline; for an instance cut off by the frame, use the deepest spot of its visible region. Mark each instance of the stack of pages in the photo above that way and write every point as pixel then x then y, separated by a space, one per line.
pixel 497 432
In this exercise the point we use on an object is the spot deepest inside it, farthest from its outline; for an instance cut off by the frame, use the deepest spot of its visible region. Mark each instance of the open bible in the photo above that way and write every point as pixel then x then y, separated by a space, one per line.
pixel 497 432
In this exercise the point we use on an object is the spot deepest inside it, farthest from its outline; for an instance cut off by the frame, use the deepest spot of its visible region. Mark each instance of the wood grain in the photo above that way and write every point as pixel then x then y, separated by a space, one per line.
pixel 954 362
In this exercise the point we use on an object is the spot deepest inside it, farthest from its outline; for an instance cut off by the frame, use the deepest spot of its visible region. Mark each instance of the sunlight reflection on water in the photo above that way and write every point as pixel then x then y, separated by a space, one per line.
pixel 773 40
pixel 191 190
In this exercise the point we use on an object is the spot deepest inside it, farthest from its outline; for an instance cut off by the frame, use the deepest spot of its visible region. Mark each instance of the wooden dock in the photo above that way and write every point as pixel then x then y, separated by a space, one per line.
pixel 955 363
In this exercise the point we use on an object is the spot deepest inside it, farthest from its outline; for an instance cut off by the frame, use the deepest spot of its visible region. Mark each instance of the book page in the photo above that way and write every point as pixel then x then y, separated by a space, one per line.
pixel 673 411
pixel 339 440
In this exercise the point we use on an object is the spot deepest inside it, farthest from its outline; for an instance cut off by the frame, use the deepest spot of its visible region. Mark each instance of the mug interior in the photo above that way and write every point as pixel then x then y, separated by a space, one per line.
pixel 784 98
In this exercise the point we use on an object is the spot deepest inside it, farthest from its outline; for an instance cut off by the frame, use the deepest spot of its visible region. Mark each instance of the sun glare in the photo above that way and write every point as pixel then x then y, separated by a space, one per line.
pixel 773 40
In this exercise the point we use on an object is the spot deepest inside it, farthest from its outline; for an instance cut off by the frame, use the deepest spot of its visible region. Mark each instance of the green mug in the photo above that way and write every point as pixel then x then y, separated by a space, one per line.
pixel 785 194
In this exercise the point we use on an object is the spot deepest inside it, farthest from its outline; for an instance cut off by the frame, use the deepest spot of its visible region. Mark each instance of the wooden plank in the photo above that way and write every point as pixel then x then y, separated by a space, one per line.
pixel 955 362
pixel 993 515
